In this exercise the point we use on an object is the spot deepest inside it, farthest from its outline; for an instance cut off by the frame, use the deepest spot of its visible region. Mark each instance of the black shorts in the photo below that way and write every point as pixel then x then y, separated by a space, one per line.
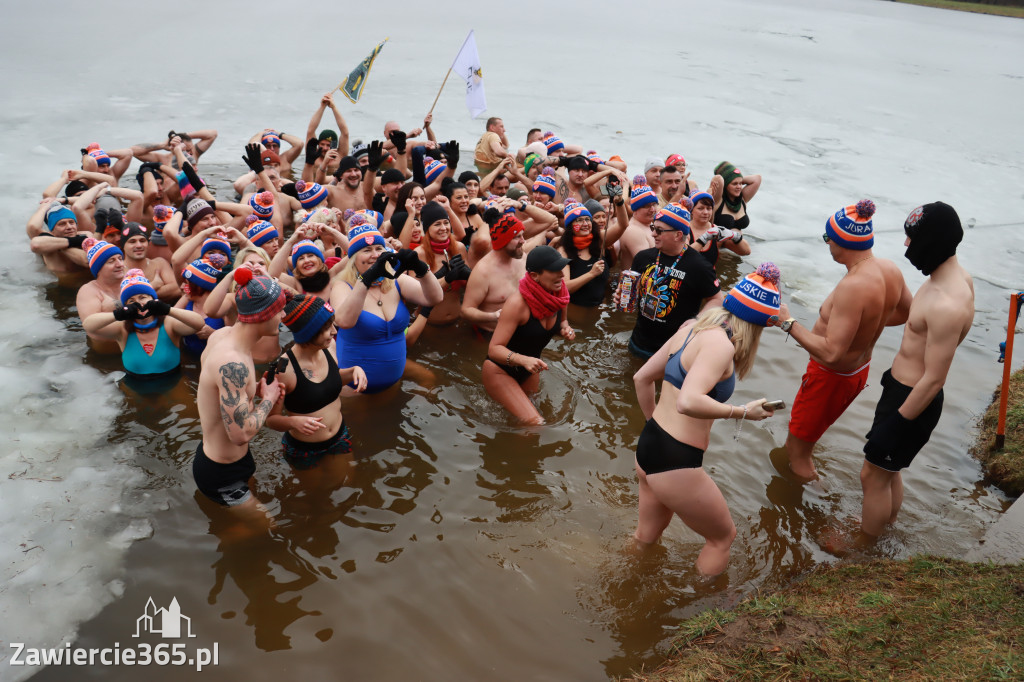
pixel 896 456
pixel 303 455
pixel 226 484
pixel 657 451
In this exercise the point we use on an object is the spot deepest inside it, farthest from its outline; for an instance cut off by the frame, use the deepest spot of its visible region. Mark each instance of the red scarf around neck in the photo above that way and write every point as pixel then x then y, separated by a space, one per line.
pixel 542 303
pixel 582 241
pixel 440 247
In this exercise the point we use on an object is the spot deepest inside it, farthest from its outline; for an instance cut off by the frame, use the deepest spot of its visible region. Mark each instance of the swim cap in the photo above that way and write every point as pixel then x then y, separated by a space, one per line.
pixel 756 297
pixel 850 227
pixel 935 232
pixel 305 315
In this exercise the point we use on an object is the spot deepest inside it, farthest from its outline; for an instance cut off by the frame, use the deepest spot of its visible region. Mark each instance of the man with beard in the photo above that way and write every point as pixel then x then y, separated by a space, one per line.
pixel 497 274
pixel 347 192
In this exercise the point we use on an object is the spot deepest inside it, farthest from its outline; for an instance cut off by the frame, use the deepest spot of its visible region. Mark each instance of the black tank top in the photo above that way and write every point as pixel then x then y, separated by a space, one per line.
pixel 530 338
pixel 592 293
pixel 309 397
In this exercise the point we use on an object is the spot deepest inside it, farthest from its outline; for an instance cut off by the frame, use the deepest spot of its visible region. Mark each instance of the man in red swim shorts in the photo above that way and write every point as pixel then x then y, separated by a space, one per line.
pixel 871 296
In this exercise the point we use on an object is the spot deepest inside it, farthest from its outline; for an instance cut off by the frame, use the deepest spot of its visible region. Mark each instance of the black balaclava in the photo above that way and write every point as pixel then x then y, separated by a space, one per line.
pixel 934 230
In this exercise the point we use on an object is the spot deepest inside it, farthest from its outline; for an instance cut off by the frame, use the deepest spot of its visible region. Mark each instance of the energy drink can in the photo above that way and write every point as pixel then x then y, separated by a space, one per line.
pixel 625 297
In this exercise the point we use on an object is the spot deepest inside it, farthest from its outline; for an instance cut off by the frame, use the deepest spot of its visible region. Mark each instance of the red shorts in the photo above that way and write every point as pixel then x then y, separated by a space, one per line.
pixel 823 396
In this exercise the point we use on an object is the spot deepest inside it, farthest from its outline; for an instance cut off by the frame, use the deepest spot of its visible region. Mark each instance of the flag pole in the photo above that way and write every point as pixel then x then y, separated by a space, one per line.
pixel 449 72
pixel 439 91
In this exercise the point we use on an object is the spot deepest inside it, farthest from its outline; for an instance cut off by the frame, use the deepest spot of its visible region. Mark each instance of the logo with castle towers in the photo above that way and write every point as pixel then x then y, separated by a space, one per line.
pixel 169 623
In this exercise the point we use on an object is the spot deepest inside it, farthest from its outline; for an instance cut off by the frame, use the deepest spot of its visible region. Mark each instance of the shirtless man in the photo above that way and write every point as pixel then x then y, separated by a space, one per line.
pixel 103 294
pixel 635 236
pixel 60 244
pixel 871 296
pixel 497 274
pixel 940 317
pixel 347 192
pixel 671 186
pixel 228 414
pixel 135 244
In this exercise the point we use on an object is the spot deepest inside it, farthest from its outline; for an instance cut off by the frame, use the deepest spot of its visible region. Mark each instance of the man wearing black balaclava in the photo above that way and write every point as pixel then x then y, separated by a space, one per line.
pixel 939 319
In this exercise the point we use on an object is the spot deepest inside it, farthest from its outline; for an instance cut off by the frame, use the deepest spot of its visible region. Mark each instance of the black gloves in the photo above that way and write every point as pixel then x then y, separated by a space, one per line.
pixel 148 167
pixel 156 307
pixel 451 153
pixel 457 270
pixel 408 259
pixel 312 151
pixel 192 176
pixel 76 241
pixel 129 312
pixel 592 166
pixel 253 158
pixel 379 203
pixel 385 266
pixel 398 138
pixel 375 155
pixel 472 210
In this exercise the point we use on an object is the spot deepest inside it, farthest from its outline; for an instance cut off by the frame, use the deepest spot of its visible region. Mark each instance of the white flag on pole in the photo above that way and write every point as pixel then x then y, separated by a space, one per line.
pixel 467 65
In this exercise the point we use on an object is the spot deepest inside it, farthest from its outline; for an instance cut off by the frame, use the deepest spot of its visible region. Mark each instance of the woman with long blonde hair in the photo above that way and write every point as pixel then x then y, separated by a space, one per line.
pixel 699 365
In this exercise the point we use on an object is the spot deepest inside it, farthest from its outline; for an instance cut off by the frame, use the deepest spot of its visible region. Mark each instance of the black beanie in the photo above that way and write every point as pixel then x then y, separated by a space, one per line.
pixel 935 232
pixel 431 213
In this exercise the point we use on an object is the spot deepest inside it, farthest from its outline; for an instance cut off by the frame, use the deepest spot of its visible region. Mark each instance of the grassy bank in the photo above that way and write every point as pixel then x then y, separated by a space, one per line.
pixel 1004 468
pixel 969 7
pixel 923 618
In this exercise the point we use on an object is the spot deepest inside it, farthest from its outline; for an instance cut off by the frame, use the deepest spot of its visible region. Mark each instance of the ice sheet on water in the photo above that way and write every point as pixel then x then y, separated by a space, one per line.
pixel 63 527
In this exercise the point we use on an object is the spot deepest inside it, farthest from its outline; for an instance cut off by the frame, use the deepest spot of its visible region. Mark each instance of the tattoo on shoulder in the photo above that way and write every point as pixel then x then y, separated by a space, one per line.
pixel 234 376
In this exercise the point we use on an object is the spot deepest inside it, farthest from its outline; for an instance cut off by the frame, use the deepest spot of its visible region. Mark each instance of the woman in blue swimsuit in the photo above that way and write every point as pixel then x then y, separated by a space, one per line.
pixel 699 365
pixel 151 331
pixel 369 304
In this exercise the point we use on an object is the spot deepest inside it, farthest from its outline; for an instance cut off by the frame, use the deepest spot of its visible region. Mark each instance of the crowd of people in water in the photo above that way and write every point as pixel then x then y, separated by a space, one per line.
pixel 353 255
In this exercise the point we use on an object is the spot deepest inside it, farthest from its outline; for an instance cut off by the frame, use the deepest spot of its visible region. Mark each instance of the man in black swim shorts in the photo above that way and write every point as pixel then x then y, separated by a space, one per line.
pixel 939 319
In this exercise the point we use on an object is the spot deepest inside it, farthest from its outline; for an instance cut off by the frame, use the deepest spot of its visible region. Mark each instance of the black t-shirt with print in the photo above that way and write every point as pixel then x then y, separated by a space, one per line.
pixel 670 292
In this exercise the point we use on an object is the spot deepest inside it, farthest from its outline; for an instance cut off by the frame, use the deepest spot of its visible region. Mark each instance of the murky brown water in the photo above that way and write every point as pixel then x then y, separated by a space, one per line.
pixel 455 545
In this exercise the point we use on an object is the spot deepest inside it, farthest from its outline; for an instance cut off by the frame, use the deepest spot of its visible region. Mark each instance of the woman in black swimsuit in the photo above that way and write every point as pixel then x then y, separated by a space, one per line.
pixel 731 209
pixel 528 320
pixel 583 245
pixel 313 427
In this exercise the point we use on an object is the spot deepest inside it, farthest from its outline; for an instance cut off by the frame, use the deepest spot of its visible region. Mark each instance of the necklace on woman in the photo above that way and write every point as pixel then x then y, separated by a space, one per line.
pixel 380 297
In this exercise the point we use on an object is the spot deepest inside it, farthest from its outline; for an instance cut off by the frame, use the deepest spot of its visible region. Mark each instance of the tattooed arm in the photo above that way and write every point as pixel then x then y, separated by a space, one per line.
pixel 242 418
